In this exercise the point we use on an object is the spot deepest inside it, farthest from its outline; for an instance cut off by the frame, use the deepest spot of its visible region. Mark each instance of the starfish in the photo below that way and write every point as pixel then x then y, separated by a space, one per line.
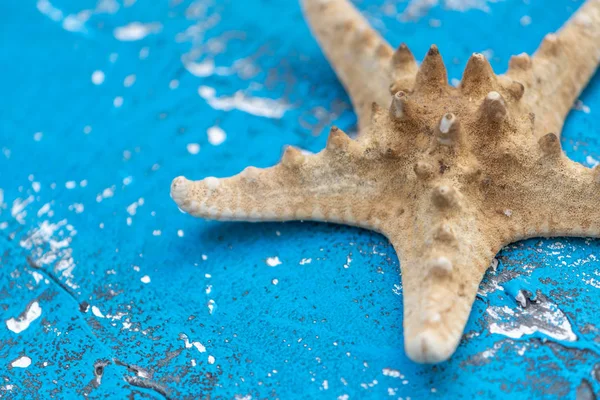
pixel 449 175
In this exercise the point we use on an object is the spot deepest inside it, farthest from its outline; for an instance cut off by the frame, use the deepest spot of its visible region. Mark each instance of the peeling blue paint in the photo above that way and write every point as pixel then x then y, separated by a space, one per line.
pixel 101 103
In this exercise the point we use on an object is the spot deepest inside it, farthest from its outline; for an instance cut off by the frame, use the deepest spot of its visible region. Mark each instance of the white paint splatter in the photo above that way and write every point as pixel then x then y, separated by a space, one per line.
pixel 76 22
pixel 211 360
pixel 47 9
pixel 96 311
pixel 348 261
pixel 144 52
pixel 392 372
pixel 525 20
pixel 592 282
pixel 44 209
pixel 49 245
pixel 132 208
pixel 199 347
pixel 118 101
pixel 145 279
pixel 188 345
pixel 129 80
pixel 77 207
pixel 591 161
pixel 70 184
pixel 211 306
pixel 275 281
pixel 18 209
pixel 261 107
pixel 98 77
pixel 37 276
pixel 106 194
pixel 18 325
pixel 540 316
pixel 419 8
pixel 200 69
pixel 21 362
pixel 136 31
pixel 273 261
pixel 193 148
pixel 579 106
pixel 180 233
pixel 216 135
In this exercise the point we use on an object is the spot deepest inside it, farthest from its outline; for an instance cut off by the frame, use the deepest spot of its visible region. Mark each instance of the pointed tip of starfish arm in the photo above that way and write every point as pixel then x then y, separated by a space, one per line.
pixel 429 347
pixel 179 189
pixel 436 316
pixel 225 199
pixel 191 197
pixel 300 187
pixel 440 283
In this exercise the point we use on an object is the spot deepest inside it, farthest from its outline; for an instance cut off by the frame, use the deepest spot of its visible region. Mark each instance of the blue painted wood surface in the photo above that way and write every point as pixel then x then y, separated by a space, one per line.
pixel 107 290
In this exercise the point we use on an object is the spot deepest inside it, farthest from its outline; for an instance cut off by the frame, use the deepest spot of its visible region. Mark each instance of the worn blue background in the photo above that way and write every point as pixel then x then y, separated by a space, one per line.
pixel 103 103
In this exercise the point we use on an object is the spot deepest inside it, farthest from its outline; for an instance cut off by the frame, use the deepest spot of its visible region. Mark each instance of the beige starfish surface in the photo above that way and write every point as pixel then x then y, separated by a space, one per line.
pixel 449 175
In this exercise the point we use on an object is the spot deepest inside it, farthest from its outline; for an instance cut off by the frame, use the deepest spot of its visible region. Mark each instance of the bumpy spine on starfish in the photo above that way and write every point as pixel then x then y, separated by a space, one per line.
pixel 404 69
pixel 478 78
pixel 432 73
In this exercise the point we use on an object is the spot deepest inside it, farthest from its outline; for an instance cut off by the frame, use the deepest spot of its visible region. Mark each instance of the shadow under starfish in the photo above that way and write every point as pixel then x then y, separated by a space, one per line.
pixel 449 175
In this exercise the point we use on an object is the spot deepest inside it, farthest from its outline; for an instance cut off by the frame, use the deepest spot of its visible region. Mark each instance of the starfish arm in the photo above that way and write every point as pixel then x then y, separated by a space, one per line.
pixel 442 262
pixel 567 204
pixel 302 187
pixel 364 62
pixel 561 67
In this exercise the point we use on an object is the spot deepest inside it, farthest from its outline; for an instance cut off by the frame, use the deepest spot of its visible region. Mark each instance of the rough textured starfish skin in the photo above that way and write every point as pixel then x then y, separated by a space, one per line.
pixel 449 175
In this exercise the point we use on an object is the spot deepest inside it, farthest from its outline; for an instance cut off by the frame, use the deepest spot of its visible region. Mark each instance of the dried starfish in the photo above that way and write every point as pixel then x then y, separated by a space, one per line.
pixel 449 175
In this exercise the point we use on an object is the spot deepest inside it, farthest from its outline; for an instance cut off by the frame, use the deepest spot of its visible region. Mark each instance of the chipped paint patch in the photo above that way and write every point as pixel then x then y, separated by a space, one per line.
pixel 542 316
pixel 21 362
pixel 273 261
pixel 262 107
pixel 136 31
pixel 21 323
pixel 216 135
